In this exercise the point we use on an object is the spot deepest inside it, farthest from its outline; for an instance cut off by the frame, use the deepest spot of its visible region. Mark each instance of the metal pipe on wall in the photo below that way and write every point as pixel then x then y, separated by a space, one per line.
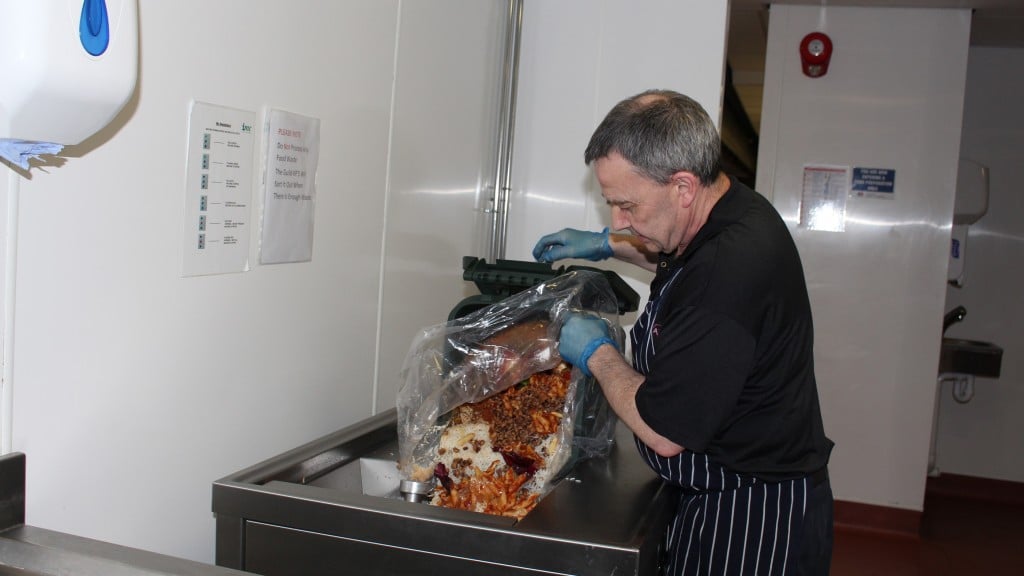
pixel 506 132
pixel 10 284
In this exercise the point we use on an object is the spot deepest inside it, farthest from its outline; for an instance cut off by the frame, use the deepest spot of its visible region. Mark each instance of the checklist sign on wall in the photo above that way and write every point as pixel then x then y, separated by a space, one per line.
pixel 218 190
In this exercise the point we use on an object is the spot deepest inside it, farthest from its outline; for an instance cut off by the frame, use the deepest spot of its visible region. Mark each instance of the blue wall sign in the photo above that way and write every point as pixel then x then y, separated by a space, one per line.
pixel 873 181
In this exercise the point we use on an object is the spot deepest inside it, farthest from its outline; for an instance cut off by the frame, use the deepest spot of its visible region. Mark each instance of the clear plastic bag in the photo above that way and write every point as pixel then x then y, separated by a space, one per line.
pixel 483 353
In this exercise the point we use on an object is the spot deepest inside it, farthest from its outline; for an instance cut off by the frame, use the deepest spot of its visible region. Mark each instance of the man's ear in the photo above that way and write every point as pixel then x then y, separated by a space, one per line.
pixel 686 185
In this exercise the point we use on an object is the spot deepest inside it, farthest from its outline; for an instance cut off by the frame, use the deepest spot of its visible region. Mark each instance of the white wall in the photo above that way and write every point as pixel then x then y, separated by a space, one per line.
pixel 446 102
pixel 579 59
pixel 892 98
pixel 136 388
pixel 985 437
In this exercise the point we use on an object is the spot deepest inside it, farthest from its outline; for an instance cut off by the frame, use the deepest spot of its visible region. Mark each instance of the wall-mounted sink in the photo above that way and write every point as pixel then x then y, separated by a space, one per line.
pixel 970 357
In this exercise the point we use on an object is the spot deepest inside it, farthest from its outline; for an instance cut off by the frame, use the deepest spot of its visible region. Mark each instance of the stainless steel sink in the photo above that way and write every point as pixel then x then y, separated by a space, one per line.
pixel 972 357
pixel 334 504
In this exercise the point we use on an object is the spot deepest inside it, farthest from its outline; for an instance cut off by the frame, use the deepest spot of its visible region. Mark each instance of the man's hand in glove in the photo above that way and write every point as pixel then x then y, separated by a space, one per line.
pixel 581 335
pixel 584 335
pixel 570 243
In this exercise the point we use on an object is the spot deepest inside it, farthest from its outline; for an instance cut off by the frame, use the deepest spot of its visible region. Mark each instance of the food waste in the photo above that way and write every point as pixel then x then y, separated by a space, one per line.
pixel 497 455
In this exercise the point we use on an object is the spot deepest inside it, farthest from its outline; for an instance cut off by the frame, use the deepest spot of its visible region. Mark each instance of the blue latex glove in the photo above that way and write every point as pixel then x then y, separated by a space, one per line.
pixel 570 243
pixel 581 335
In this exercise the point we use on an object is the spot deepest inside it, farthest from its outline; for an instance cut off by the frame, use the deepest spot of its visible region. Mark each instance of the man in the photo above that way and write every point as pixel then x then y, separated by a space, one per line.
pixel 721 394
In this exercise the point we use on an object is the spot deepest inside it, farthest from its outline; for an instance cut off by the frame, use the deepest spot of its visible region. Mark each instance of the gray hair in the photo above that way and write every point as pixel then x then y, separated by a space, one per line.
pixel 660 132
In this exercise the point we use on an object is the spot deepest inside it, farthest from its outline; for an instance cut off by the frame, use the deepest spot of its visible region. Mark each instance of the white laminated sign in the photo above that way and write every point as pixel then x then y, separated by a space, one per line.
pixel 823 201
pixel 289 186
pixel 218 190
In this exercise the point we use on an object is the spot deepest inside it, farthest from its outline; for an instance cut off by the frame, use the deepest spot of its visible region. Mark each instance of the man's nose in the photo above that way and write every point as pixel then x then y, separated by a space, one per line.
pixel 619 219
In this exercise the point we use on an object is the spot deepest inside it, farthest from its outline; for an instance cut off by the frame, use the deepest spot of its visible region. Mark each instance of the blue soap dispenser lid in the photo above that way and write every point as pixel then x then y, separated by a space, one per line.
pixel 94 27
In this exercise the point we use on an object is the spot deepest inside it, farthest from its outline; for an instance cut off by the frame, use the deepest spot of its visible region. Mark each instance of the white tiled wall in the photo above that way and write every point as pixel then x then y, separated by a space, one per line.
pixel 579 59
pixel 892 98
pixel 136 388
pixel 985 437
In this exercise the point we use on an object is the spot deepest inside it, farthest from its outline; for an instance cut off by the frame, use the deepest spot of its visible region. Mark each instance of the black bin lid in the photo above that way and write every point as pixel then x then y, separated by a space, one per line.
pixel 504 278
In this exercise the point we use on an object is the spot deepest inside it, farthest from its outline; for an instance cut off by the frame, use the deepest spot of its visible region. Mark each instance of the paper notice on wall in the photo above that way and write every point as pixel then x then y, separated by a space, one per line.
pixel 823 201
pixel 289 184
pixel 218 190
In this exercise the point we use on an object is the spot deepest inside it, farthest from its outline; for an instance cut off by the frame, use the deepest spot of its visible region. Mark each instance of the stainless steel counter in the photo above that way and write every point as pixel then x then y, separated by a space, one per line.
pixel 332 506
pixel 30 551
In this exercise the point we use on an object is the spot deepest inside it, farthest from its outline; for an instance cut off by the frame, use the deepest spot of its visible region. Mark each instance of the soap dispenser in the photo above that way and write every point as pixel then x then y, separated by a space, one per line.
pixel 970 204
pixel 68 67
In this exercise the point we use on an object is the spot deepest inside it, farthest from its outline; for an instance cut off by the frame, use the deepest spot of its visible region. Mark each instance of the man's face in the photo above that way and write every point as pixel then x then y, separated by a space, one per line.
pixel 648 209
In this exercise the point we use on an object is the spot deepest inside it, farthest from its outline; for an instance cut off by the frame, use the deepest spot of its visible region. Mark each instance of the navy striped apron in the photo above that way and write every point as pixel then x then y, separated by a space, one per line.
pixel 726 523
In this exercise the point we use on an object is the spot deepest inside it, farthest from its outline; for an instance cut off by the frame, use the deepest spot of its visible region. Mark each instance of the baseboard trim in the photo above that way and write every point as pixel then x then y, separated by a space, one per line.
pixel 976 488
pixel 902 522
pixel 884 519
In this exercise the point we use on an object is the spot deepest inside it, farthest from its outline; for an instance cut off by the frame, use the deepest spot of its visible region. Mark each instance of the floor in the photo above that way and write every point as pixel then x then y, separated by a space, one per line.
pixel 958 536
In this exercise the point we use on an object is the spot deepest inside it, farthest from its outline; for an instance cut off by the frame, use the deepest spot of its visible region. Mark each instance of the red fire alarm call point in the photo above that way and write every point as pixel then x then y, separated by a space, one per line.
pixel 815 53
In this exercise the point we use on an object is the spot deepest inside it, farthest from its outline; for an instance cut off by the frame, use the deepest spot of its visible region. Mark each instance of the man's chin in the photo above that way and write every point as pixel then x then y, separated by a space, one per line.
pixel 649 244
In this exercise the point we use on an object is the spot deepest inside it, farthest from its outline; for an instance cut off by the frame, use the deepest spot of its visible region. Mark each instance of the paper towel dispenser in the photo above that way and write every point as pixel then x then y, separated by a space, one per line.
pixel 971 201
pixel 68 67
